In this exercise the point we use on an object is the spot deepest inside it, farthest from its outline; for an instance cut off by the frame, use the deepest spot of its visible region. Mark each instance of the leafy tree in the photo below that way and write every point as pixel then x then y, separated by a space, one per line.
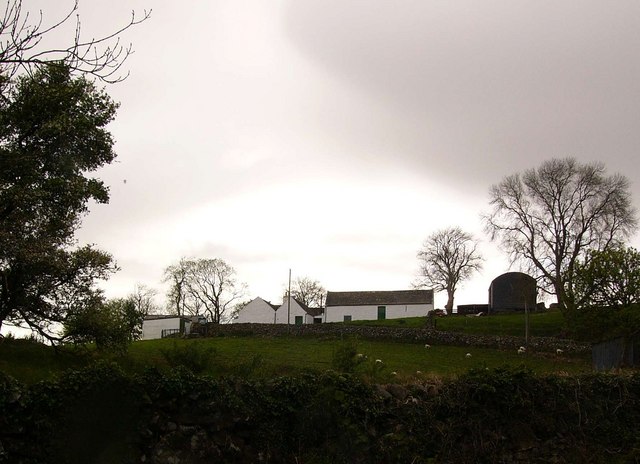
pixel 547 218
pixel 609 278
pixel 23 35
pixel 447 258
pixel 308 292
pixel 52 135
pixel 112 325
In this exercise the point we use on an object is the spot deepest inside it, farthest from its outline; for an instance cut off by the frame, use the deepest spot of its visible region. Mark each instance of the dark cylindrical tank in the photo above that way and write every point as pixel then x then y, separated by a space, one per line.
pixel 513 291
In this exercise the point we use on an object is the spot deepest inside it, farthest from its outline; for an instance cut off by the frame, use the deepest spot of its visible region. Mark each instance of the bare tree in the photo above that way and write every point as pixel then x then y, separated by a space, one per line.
pixel 22 33
pixel 177 294
pixel 308 292
pixel 212 284
pixel 448 257
pixel 547 218
pixel 143 299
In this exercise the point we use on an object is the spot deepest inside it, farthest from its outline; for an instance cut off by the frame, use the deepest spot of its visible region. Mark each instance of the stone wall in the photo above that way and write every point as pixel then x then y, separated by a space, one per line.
pixel 400 334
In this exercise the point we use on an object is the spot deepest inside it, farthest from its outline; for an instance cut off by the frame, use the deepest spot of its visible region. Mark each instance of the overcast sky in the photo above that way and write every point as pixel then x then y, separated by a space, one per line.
pixel 332 137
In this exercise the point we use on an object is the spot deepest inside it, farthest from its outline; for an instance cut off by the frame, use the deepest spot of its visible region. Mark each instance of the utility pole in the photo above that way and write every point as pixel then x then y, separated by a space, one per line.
pixel 289 301
pixel 526 323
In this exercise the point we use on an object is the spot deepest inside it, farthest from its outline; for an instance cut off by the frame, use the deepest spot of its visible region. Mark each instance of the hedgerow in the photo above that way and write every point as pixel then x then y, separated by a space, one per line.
pixel 101 414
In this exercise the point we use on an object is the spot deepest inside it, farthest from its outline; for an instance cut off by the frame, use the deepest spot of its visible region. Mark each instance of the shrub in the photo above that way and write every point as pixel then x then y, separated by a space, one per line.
pixel 246 369
pixel 193 356
pixel 346 357
pixel 111 325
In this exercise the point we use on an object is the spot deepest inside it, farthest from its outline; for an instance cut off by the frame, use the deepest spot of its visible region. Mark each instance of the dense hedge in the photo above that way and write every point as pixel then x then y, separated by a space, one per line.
pixel 401 334
pixel 100 415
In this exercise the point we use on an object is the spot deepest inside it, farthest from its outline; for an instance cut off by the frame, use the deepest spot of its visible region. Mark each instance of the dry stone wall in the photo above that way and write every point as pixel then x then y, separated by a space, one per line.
pixel 400 334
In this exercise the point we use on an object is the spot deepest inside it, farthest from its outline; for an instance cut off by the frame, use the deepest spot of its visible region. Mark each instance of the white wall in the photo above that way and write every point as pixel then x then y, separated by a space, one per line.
pixel 370 312
pixel 256 311
pixel 152 329
pixel 295 310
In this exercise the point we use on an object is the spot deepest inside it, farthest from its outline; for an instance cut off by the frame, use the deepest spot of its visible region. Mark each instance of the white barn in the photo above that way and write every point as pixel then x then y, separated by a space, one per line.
pixel 157 326
pixel 257 311
pixel 354 306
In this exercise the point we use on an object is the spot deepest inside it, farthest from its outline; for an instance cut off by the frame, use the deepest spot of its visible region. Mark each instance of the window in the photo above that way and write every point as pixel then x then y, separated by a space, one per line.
pixel 299 320
pixel 382 313
pixel 347 318
pixel 317 320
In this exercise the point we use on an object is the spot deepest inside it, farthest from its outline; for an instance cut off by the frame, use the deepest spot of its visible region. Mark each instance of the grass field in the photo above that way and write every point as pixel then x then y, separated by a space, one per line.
pixel 545 324
pixel 265 357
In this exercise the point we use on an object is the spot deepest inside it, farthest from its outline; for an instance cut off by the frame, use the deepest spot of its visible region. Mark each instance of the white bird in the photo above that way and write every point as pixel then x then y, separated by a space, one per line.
pixel 468 355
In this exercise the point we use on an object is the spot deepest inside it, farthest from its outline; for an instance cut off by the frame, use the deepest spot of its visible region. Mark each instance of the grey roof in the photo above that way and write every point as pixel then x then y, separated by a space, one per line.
pixel 396 297
pixel 310 311
pixel 273 306
pixel 315 312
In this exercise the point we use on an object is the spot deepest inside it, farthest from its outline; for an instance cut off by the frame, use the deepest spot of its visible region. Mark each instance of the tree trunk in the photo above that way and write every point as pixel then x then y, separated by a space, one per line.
pixel 449 305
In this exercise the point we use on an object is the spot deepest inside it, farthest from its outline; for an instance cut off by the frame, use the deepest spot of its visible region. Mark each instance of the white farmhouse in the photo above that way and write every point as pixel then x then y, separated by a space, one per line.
pixel 257 311
pixel 157 326
pixel 353 306
pixel 297 313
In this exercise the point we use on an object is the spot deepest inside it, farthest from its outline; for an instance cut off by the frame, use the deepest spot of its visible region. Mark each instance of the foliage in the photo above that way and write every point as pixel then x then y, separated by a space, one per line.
pixel 52 134
pixel 112 325
pixel 346 357
pixel 447 258
pixel 194 356
pixel 547 218
pixel 376 370
pixel 485 415
pixel 249 368
pixel 595 324
pixel 492 415
pixel 606 289
pixel 609 278
pixel 23 37
pixel 204 286
pixel 49 416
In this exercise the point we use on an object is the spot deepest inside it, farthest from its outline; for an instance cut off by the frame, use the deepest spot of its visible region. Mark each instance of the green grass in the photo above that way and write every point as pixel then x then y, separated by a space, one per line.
pixel 267 357
pixel 31 362
pixel 291 355
pixel 546 324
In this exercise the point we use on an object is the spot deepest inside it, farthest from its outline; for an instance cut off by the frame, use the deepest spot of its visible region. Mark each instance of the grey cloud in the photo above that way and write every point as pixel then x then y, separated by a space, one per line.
pixel 488 87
